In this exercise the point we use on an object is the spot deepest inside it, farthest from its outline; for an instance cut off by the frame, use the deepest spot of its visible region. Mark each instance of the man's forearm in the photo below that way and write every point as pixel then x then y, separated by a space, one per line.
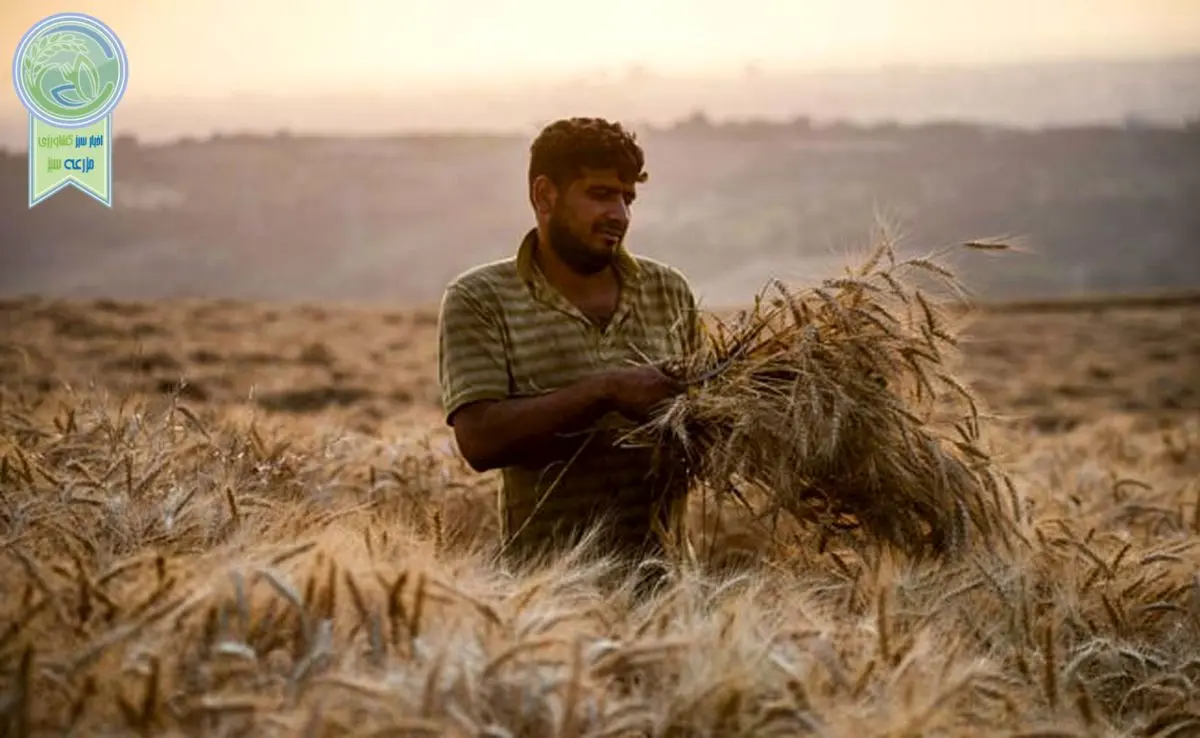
pixel 529 430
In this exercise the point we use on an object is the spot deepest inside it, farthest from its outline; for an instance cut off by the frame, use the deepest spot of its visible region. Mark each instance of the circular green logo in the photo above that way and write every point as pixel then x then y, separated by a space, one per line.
pixel 70 70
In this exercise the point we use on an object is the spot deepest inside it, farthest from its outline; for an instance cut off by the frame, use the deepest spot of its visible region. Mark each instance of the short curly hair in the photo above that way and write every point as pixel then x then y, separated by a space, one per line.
pixel 566 147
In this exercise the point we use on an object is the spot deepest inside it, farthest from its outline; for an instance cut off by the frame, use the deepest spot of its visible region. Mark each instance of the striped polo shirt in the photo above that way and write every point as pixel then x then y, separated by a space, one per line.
pixel 505 332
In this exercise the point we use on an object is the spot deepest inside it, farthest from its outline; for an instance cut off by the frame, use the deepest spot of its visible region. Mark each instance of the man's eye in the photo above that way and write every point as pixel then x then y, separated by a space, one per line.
pixel 605 194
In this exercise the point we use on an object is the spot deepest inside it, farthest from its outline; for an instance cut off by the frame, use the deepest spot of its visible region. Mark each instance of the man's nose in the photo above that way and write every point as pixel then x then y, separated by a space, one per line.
pixel 619 211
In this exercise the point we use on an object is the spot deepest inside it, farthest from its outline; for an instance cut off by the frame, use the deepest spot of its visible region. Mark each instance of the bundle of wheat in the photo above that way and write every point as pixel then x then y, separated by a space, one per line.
pixel 825 400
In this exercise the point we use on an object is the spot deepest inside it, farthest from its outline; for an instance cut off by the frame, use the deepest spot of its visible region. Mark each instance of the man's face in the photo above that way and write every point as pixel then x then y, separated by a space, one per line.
pixel 590 219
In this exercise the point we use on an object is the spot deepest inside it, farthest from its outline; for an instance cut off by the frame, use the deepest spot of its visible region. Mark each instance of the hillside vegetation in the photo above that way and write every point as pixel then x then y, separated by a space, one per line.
pixel 1098 210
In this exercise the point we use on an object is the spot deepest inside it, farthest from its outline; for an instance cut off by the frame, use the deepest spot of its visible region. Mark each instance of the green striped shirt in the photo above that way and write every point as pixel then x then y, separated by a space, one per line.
pixel 505 332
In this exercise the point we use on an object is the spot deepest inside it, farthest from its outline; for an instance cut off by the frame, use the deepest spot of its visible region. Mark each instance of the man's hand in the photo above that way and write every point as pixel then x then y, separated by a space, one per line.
pixel 634 392
pixel 528 430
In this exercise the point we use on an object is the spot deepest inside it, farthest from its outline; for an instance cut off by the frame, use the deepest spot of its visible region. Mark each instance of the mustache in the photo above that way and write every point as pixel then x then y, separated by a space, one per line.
pixel 611 228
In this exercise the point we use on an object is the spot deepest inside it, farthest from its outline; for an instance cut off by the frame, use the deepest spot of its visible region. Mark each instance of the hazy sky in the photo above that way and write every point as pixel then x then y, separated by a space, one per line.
pixel 207 49
pixel 203 47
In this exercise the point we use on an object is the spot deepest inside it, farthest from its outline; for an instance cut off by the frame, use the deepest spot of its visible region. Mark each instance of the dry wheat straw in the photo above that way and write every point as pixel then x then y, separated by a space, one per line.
pixel 820 399
pixel 335 617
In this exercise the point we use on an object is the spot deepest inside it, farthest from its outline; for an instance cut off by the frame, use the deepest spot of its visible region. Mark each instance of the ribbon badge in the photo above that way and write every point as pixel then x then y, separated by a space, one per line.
pixel 70 71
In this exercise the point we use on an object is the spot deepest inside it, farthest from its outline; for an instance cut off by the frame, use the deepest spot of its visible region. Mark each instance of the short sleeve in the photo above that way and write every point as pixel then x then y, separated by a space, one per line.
pixel 472 364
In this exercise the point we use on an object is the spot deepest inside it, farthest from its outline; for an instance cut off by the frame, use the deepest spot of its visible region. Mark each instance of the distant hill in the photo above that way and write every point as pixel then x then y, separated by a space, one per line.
pixel 1032 94
pixel 288 217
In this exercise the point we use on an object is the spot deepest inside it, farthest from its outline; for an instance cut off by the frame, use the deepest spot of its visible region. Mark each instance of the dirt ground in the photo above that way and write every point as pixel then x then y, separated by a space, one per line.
pixel 375 370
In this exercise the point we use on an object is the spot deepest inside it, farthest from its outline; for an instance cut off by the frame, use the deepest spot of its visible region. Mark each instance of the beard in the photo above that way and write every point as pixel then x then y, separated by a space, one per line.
pixel 576 253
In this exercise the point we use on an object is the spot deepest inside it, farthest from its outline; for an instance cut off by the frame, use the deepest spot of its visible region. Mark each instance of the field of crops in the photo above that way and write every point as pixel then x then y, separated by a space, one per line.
pixel 286 543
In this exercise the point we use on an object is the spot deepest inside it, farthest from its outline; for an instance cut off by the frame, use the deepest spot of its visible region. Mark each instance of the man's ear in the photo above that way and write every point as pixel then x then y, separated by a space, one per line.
pixel 543 195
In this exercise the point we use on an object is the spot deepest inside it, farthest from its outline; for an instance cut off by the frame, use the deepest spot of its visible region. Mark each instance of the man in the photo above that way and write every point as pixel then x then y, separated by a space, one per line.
pixel 543 355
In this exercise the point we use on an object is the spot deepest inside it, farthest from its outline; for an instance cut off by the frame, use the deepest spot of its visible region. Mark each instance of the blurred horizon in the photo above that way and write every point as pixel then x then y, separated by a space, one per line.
pixel 366 67
pixel 1097 167
pixel 1105 92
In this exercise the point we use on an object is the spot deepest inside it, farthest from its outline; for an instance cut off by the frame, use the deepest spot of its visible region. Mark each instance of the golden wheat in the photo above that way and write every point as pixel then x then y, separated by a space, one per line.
pixel 176 569
pixel 836 404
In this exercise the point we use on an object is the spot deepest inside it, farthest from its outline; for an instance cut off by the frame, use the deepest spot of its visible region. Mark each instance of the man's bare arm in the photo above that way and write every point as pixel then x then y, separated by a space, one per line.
pixel 531 430
pixel 497 433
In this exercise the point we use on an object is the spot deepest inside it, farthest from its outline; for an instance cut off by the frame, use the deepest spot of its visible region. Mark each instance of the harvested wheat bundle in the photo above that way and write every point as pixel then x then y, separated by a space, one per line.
pixel 824 400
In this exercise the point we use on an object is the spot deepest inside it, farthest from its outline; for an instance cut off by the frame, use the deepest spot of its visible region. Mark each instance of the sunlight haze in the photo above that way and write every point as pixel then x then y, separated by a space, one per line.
pixel 320 415
pixel 283 46
pixel 221 65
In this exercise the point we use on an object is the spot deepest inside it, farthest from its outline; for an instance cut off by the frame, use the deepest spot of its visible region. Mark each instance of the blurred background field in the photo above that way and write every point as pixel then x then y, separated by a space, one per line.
pixel 1098 209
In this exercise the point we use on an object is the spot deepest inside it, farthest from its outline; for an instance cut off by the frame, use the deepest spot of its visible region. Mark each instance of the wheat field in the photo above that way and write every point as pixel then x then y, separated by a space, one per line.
pixel 285 543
